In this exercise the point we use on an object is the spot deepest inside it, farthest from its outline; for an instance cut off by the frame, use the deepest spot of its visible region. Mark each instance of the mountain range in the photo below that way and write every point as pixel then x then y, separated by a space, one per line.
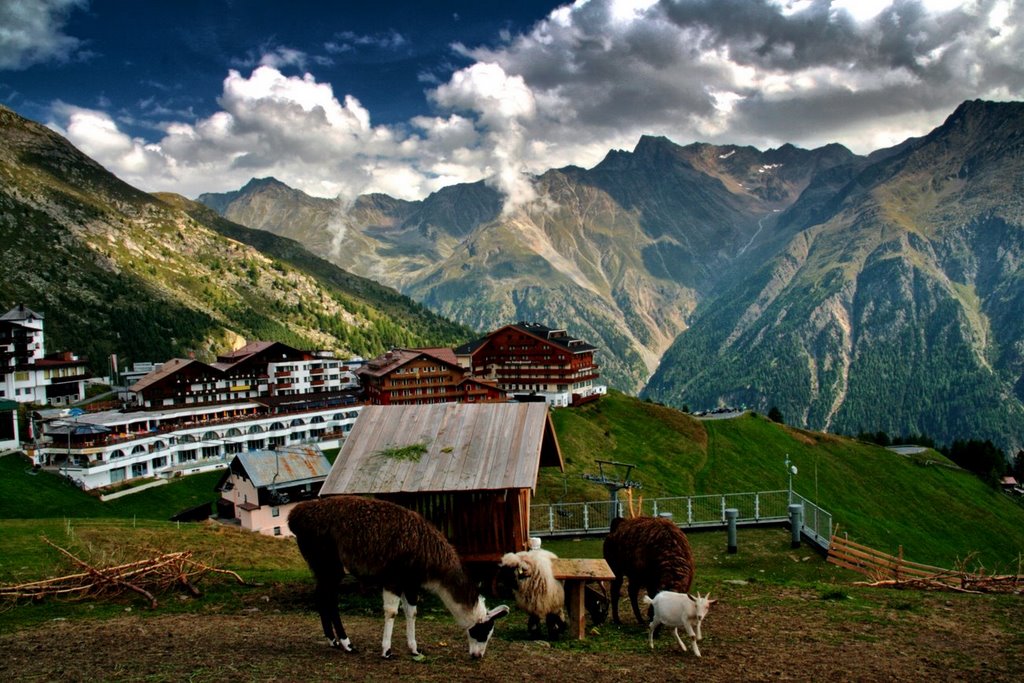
pixel 150 277
pixel 854 293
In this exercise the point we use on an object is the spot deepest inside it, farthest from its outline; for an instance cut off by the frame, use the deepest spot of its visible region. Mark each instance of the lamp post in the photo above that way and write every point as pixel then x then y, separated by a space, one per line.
pixel 791 471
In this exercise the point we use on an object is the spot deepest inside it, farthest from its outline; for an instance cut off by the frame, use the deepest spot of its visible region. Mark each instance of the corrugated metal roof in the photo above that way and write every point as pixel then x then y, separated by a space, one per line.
pixel 468 447
pixel 295 466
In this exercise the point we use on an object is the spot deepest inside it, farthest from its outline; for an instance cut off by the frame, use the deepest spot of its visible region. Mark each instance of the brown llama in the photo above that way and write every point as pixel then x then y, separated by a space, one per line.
pixel 653 553
pixel 396 548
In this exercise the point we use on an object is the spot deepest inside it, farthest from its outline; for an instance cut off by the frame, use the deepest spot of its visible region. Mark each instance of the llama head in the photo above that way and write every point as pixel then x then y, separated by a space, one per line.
pixel 480 632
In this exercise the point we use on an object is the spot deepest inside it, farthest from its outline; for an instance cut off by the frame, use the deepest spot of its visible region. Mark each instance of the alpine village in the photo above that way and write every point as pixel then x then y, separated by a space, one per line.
pixel 801 447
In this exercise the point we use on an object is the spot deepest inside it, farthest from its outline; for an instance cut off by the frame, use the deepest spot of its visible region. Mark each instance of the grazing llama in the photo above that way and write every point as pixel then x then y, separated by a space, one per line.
pixel 392 546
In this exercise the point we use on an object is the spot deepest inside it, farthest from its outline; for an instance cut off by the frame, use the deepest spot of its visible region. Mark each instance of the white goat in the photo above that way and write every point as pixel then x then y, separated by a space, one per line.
pixel 679 609
pixel 537 591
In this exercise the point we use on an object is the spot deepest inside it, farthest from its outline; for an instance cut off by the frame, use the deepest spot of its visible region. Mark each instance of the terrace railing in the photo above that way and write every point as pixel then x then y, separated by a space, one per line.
pixel 688 512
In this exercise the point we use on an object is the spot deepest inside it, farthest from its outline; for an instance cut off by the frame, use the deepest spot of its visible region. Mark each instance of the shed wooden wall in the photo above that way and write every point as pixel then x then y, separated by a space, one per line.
pixel 482 525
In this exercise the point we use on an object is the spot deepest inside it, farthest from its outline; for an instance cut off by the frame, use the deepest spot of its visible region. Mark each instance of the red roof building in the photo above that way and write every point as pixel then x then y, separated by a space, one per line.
pixel 422 377
pixel 531 361
pixel 265 371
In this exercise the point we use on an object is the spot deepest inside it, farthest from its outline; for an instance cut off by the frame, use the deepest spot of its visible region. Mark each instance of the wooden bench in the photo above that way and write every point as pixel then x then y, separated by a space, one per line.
pixel 575 573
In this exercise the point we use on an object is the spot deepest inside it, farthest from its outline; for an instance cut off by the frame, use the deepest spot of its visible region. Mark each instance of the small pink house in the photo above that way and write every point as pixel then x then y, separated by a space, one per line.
pixel 260 488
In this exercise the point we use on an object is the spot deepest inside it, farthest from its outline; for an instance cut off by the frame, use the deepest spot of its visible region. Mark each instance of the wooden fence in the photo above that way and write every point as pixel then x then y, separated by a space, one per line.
pixel 875 564
pixel 887 570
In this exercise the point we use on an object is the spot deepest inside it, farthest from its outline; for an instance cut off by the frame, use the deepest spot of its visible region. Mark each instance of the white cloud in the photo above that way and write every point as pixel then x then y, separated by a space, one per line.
pixel 32 32
pixel 504 106
pixel 97 135
pixel 594 76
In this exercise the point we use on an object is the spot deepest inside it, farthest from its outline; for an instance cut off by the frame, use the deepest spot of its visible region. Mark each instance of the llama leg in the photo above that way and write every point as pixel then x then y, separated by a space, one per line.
pixel 634 594
pixel 650 634
pixel 391 603
pixel 409 603
pixel 326 597
pixel 616 593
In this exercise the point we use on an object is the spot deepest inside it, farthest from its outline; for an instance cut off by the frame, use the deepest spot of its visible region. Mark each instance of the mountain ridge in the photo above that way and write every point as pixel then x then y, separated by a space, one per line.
pixel 117 270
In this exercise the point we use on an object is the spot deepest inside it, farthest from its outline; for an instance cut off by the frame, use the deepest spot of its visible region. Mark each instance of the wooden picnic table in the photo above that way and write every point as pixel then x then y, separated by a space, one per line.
pixel 575 573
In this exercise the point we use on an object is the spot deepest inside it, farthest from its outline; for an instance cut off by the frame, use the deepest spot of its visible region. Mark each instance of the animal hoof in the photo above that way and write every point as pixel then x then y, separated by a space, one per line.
pixel 387 654
pixel 342 645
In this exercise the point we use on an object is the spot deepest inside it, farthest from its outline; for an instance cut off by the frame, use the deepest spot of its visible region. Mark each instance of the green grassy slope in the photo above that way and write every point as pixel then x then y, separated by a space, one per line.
pixel 28 495
pixel 937 513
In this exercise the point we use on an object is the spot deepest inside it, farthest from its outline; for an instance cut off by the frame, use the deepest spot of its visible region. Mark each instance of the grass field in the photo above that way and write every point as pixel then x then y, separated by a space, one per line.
pixel 938 513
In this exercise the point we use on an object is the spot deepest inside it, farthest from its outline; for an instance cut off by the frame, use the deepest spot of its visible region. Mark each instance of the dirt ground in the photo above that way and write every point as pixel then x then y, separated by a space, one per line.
pixel 770 634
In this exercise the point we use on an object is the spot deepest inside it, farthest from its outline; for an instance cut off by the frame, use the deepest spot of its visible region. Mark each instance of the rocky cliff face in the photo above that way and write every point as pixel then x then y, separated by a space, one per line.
pixel 893 305
pixel 620 253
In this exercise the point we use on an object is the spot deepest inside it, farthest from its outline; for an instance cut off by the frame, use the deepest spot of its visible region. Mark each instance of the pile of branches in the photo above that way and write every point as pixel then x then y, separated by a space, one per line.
pixel 145 577
pixel 959 580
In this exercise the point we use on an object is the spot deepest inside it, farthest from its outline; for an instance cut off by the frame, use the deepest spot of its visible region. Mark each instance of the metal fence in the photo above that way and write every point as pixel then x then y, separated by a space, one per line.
pixel 817 524
pixel 763 507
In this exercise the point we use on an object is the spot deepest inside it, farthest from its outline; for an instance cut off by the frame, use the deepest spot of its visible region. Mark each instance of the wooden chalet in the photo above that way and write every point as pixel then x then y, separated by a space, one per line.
pixel 269 371
pixel 531 361
pixel 471 469
pixel 423 376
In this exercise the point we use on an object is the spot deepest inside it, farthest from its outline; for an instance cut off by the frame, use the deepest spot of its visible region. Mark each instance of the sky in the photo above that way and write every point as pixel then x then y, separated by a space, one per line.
pixel 343 98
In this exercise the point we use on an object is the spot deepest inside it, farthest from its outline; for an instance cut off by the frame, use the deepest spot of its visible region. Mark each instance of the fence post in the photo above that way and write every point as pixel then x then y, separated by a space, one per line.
pixel 551 518
pixel 796 523
pixel 731 514
pixel 689 510
pixel 655 509
pixel 723 509
pixel 757 506
pixel 586 517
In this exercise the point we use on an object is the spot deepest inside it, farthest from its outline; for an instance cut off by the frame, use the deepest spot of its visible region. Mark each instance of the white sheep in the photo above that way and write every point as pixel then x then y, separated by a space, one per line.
pixel 679 609
pixel 537 591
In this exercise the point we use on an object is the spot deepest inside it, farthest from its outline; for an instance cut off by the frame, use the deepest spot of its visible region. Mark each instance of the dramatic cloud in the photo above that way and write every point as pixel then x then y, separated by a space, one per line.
pixel 590 77
pixel 760 72
pixel 290 127
pixel 31 32
pixel 504 105
pixel 97 135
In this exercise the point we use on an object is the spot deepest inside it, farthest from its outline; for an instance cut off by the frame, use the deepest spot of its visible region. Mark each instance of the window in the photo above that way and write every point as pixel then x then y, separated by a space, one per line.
pixel 277 531
pixel 275 512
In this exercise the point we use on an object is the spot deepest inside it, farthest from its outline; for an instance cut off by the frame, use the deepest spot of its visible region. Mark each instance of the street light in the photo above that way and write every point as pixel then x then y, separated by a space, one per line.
pixel 791 471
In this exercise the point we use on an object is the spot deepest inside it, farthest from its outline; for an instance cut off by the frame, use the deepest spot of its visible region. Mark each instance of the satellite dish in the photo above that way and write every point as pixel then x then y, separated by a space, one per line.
pixel 793 469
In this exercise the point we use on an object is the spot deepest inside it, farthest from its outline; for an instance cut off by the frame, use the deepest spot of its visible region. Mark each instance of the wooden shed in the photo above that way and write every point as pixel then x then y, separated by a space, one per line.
pixel 471 469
